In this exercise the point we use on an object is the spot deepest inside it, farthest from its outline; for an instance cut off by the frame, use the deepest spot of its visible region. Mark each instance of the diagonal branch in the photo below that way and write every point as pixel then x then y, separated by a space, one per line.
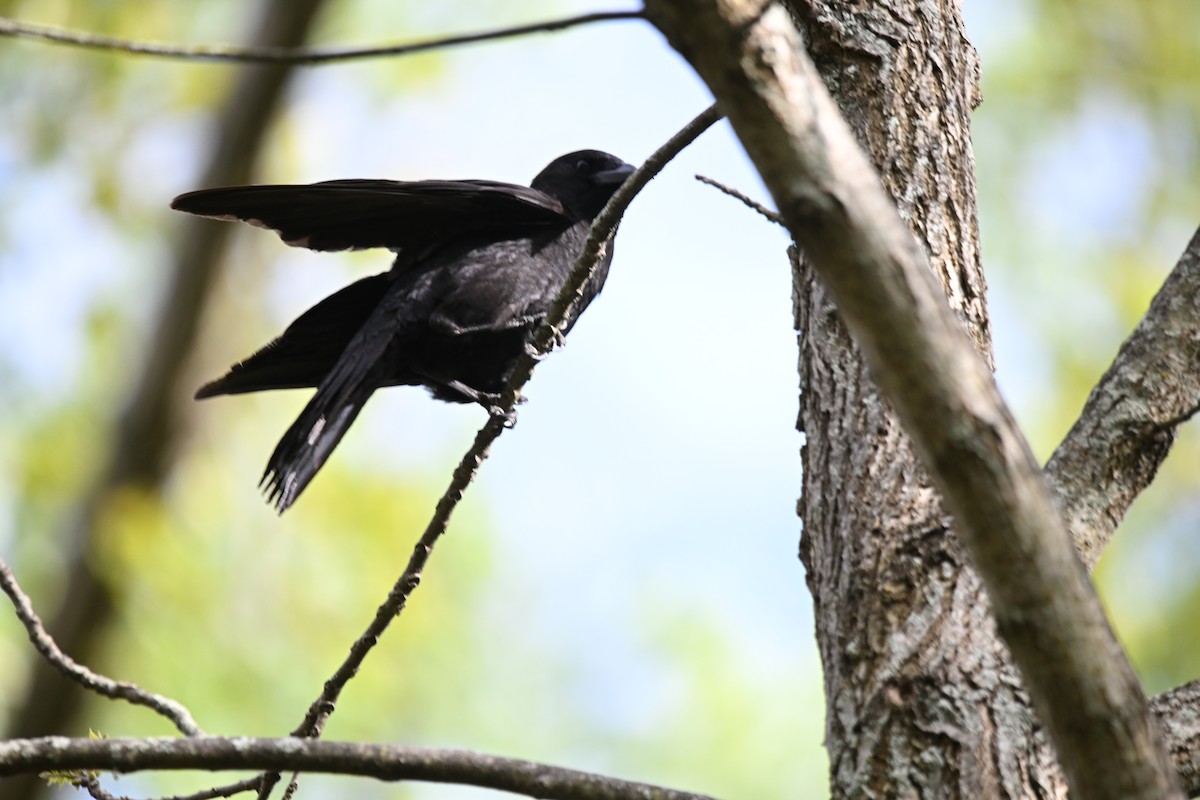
pixel 602 231
pixel 385 762
pixel 754 61
pixel 1128 424
pixel 289 55
pixel 93 682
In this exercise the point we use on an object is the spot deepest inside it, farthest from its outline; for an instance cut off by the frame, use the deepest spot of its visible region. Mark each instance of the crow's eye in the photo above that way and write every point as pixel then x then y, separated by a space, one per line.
pixel 583 165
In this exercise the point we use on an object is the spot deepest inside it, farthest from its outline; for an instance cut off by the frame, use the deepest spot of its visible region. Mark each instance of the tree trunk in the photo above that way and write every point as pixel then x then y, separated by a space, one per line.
pixel 922 699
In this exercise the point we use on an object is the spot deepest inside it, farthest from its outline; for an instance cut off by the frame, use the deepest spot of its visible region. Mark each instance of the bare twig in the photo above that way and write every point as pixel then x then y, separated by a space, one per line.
pixel 602 230
pixel 754 204
pixel 289 55
pixel 1127 426
pixel 388 763
pixel 118 690
pixel 89 782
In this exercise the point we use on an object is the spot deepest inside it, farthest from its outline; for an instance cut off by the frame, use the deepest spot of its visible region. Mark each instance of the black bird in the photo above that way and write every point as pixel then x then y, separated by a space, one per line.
pixel 478 265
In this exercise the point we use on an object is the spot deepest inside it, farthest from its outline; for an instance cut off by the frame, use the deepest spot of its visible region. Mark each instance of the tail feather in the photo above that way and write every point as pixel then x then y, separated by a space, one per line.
pixel 309 348
pixel 306 446
pixel 282 364
pixel 340 396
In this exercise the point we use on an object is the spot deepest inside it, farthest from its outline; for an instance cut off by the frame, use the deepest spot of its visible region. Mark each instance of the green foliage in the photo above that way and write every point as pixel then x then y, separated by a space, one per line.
pixel 1089 180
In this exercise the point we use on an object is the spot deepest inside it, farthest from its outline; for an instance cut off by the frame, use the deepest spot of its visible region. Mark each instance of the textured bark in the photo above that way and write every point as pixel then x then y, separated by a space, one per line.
pixel 1178 713
pixel 922 699
pixel 145 434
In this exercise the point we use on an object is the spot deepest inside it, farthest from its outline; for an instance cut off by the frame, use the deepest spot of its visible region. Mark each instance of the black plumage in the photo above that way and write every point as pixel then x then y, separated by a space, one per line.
pixel 478 265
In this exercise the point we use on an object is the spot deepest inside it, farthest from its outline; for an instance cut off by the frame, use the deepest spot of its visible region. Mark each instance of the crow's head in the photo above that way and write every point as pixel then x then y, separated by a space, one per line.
pixel 583 181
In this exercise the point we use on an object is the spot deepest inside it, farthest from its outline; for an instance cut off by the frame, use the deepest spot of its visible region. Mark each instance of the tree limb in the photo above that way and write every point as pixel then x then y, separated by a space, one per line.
pixel 90 783
pixel 385 762
pixel 289 55
pixel 1085 691
pixel 1128 425
pixel 93 682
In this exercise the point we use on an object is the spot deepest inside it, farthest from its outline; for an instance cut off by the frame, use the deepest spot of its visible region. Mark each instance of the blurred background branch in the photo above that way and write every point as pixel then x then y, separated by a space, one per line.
pixel 147 429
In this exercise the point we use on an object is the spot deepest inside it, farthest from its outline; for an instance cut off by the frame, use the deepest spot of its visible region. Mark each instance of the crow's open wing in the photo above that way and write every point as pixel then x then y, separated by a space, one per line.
pixel 360 214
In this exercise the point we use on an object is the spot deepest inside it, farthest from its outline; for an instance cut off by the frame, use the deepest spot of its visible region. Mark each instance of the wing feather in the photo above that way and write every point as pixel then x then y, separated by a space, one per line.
pixel 360 214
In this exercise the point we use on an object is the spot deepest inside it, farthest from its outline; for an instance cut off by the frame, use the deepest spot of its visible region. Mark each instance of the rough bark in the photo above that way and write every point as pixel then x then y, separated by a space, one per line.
pixel 896 606
pixel 1178 713
pixel 146 431
pixel 922 699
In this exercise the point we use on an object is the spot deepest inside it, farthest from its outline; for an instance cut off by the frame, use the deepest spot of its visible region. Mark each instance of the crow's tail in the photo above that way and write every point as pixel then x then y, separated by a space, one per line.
pixel 307 444
pixel 324 421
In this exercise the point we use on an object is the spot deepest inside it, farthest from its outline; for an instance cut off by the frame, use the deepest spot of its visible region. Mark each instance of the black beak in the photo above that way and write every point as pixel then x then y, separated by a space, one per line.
pixel 613 177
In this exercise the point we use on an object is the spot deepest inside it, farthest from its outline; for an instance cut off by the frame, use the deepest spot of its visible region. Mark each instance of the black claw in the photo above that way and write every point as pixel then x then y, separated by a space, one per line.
pixel 508 417
pixel 533 352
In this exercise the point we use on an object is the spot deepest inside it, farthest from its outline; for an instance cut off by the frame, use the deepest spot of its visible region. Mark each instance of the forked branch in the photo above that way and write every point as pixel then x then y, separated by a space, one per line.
pixel 1128 425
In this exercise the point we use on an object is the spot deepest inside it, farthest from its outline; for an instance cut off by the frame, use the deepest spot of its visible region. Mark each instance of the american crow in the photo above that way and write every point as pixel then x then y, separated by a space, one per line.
pixel 478 265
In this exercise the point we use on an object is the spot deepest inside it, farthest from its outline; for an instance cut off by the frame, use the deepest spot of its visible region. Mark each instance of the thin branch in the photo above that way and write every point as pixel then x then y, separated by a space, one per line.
pixel 385 762
pixel 289 55
pixel 1128 425
pixel 544 337
pixel 737 195
pixel 107 687
pixel 397 598
pixel 90 783
pixel 1082 685
pixel 602 230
